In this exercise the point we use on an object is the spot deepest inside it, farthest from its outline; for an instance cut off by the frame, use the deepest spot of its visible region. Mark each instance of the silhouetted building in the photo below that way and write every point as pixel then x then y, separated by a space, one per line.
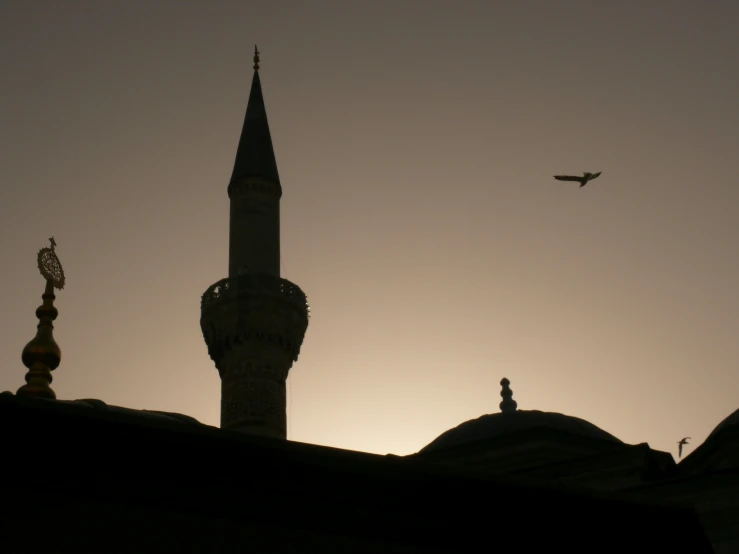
pixel 83 476
pixel 558 449
pixel 708 479
pixel 88 477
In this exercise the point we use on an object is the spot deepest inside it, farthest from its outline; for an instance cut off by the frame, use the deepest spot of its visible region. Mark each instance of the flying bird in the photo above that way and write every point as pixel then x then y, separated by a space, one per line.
pixel 680 446
pixel 582 180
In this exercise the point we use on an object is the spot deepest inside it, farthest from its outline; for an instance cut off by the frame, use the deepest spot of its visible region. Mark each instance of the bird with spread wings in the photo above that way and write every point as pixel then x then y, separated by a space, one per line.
pixel 680 446
pixel 582 180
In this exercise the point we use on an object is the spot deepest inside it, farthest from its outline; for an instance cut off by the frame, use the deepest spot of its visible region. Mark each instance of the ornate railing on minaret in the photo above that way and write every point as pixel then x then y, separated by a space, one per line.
pixel 254 321
pixel 42 354
pixel 257 292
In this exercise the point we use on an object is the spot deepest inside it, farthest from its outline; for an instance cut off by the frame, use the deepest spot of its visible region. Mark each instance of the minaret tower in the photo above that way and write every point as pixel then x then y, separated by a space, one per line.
pixel 254 321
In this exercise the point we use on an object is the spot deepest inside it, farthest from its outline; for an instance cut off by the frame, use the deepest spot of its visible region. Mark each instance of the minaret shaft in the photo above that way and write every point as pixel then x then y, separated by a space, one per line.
pixel 254 241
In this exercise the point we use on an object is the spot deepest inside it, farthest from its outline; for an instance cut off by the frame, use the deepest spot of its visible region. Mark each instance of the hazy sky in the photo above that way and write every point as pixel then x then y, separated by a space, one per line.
pixel 416 143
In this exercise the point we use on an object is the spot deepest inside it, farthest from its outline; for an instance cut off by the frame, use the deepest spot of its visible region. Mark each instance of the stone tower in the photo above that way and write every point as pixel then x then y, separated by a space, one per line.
pixel 254 321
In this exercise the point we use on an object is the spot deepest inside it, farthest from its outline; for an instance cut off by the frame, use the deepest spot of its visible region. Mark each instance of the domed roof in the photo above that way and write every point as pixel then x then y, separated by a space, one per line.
pixel 731 421
pixel 510 421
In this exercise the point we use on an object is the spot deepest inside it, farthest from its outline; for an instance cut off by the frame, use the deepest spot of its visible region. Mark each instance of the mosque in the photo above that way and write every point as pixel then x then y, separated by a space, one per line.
pixel 85 476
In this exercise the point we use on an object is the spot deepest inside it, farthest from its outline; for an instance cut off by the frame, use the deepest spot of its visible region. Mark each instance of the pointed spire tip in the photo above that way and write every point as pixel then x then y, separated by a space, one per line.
pixel 256 58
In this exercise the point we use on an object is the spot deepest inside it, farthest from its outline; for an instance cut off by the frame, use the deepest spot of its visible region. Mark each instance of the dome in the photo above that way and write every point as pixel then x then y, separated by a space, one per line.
pixel 731 421
pixel 510 421
pixel 496 425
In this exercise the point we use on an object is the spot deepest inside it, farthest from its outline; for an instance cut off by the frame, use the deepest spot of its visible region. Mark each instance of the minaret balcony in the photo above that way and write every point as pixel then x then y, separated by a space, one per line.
pixel 254 307
pixel 229 289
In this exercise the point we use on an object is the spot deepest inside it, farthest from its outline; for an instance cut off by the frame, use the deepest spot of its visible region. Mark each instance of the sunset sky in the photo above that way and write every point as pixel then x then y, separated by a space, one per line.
pixel 416 143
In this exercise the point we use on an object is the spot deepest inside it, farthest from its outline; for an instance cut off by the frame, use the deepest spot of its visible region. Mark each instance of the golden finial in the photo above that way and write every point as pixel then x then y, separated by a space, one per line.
pixel 256 58
pixel 42 355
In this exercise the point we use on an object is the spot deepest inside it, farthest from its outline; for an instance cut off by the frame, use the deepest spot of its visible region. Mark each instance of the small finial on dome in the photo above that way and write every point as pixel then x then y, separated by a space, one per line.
pixel 256 58
pixel 508 405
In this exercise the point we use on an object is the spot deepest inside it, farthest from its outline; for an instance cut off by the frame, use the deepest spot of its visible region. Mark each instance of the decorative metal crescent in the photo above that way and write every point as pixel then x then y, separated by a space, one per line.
pixel 50 266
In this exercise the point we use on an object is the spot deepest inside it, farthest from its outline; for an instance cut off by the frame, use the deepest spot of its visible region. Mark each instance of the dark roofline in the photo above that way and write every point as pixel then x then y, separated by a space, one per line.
pixel 220 475
pixel 315 455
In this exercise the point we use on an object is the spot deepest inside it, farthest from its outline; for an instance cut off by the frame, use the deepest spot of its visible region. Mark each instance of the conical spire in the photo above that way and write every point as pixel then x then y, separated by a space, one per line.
pixel 255 156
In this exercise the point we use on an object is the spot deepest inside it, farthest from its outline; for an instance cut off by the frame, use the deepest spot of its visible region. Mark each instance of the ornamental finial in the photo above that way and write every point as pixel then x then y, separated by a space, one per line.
pixel 42 354
pixel 508 405
pixel 256 58
pixel 50 266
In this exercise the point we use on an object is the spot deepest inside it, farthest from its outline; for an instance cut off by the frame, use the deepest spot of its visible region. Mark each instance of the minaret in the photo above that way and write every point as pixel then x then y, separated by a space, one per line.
pixel 254 321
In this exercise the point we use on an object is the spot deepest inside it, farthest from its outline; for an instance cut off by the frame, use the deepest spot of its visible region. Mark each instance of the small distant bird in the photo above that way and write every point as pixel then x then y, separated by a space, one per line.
pixel 680 446
pixel 582 180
